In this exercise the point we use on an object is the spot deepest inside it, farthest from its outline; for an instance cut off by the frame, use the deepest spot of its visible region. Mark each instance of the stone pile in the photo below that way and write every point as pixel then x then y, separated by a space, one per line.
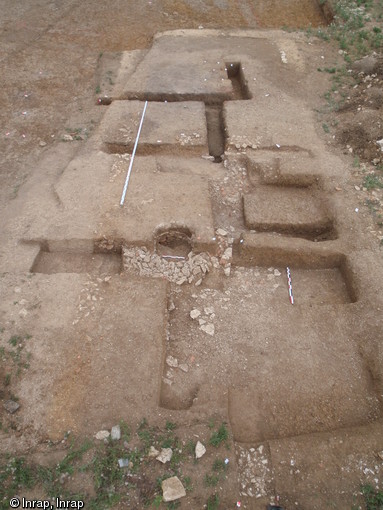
pixel 192 268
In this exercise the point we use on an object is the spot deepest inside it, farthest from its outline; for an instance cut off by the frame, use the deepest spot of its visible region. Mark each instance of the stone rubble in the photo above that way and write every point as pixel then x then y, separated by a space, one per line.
pixel 255 475
pixel 191 269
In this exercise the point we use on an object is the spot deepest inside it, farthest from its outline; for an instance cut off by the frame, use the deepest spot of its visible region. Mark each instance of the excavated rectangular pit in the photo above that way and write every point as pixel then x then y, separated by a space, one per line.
pixel 69 262
pixel 285 369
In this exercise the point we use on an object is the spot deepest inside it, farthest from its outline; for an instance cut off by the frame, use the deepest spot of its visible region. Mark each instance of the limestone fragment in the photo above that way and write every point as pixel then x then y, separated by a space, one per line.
pixel 11 406
pixel 195 313
pixel 102 434
pixel 172 489
pixel 172 362
pixel 200 450
pixel 165 455
pixel 208 328
pixel 153 452
pixel 115 433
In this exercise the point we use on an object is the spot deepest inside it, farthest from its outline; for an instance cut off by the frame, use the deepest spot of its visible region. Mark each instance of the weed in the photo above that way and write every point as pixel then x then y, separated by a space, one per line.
pixel 190 447
pixel 170 426
pixel 187 483
pixel 211 480
pixel 373 498
pixel 157 501
pixel 98 89
pixel 213 502
pixel 7 380
pixel 219 466
pixel 325 127
pixel 356 162
pixel 372 181
pixel 220 436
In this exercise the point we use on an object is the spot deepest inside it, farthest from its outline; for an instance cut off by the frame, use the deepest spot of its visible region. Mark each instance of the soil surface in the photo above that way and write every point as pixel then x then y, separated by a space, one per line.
pixel 177 306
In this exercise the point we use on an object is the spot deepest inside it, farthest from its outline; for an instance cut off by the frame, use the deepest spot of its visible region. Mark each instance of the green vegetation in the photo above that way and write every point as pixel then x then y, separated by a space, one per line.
pixel 220 436
pixel 372 181
pixel 373 498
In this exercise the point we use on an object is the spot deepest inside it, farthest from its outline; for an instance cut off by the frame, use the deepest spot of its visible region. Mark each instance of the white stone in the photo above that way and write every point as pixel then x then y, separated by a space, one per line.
pixel 195 313
pixel 277 273
pixel 172 489
pixel 102 434
pixel 200 450
pixel 221 232
pixel 172 362
pixel 115 433
pixel 184 367
pixel 153 452
pixel 208 310
pixel 165 455
pixel 227 270
pixel 208 328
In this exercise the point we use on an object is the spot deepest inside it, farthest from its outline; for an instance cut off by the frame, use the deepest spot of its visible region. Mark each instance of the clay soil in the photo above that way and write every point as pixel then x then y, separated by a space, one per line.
pixel 81 354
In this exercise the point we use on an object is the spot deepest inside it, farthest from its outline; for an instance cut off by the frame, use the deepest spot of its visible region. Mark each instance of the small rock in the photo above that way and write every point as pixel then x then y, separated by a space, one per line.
pixel 102 434
pixel 172 362
pixel 172 489
pixel 42 143
pixel 153 452
pixel 194 314
pixel 277 273
pixel 181 281
pixel 165 455
pixel 221 232
pixel 115 433
pixel 200 450
pixel 227 270
pixel 123 463
pixel 228 254
pixel 208 310
pixel 198 282
pixel 67 138
pixel 208 328
pixel 184 367
pixel 171 306
pixel 201 321
pixel 11 406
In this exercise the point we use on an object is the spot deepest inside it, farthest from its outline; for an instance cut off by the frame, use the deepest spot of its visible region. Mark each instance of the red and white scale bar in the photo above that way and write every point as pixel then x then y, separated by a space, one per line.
pixel 290 285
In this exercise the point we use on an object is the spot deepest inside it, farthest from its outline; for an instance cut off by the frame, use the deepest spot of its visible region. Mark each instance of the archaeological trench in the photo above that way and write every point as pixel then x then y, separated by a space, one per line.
pixel 176 304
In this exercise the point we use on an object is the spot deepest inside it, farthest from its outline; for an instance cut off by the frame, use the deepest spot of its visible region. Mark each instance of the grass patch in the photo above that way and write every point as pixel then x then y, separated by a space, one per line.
pixel 373 498
pixel 372 181
pixel 220 436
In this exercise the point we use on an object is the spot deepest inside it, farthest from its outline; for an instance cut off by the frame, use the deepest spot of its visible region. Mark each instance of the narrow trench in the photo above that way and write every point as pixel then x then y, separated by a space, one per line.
pixel 238 80
pixel 215 131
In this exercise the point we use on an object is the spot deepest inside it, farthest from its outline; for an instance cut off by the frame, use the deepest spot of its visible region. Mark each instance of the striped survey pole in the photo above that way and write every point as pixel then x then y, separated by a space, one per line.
pixel 290 285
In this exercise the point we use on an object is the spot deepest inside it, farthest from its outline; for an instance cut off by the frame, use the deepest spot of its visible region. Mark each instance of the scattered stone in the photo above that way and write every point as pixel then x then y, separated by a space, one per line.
pixel 200 450
pixel 221 232
pixel 194 314
pixel 228 254
pixel 201 321
pixel 277 273
pixel 67 138
pixel 184 367
pixel 153 452
pixel 102 434
pixel 208 328
pixel 198 282
pixel 123 463
pixel 165 455
pixel 115 433
pixel 227 270
pixel 42 143
pixel 208 310
pixel 171 306
pixel 11 406
pixel 167 381
pixel 172 362
pixel 172 489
